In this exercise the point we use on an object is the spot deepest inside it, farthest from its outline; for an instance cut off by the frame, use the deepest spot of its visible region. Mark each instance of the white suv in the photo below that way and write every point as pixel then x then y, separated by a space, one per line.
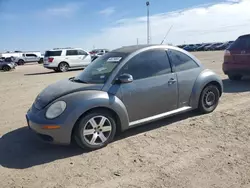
pixel 63 59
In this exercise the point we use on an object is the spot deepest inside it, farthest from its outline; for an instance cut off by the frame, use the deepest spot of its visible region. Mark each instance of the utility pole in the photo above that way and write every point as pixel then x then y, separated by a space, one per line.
pixel 137 41
pixel 148 37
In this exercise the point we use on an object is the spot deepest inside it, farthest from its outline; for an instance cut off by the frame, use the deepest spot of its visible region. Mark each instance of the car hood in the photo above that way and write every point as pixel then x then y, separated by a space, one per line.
pixel 61 88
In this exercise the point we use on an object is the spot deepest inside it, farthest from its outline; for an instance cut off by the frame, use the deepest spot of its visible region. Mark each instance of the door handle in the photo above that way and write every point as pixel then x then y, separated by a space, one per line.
pixel 171 81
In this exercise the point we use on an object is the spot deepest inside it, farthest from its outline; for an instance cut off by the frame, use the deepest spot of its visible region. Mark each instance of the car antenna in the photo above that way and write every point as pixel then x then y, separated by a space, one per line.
pixel 166 34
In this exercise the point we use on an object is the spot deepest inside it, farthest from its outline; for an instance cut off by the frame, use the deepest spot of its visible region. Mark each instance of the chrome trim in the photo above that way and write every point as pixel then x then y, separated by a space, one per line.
pixel 159 116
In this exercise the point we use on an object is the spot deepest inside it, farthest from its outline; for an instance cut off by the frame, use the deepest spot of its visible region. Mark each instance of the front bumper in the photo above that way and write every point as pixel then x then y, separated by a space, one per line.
pixel 36 123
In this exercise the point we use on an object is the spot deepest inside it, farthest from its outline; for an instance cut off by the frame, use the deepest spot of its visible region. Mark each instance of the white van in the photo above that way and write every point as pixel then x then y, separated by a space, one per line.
pixel 63 59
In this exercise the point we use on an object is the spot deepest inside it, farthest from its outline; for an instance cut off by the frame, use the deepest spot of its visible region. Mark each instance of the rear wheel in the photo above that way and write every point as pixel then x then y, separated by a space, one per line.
pixel 63 67
pixel 234 77
pixel 6 68
pixel 40 61
pixel 209 99
pixel 95 130
pixel 20 62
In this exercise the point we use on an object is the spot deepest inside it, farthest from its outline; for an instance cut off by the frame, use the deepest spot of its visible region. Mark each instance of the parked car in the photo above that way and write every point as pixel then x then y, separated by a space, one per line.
pixel 94 57
pixel 96 51
pixel 122 89
pixel 223 46
pixel 63 59
pixel 192 47
pixel 29 57
pixel 181 46
pixel 237 58
pixel 202 47
pixel 212 46
pixel 6 64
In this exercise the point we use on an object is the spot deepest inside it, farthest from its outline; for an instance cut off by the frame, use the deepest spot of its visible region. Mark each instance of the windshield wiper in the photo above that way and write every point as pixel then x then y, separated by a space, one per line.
pixel 79 81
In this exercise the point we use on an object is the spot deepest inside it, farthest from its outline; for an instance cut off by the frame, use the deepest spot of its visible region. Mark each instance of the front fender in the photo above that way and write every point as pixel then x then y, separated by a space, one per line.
pixel 206 76
pixel 80 102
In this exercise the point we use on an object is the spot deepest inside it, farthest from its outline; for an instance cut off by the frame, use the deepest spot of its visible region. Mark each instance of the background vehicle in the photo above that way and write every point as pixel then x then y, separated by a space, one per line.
pixel 6 64
pixel 237 58
pixel 29 57
pixel 202 47
pixel 122 89
pixel 93 57
pixel 96 51
pixel 212 47
pixel 190 47
pixel 223 46
pixel 63 59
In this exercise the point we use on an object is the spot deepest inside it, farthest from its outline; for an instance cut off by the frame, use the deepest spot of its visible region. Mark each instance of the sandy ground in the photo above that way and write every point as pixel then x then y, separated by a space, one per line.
pixel 188 150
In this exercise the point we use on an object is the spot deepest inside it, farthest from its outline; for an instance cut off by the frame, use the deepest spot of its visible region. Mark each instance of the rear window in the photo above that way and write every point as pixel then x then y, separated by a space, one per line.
pixel 242 43
pixel 52 53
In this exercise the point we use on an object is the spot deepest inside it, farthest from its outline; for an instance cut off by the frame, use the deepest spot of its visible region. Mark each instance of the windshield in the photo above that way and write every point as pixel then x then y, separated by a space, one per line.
pixel 100 69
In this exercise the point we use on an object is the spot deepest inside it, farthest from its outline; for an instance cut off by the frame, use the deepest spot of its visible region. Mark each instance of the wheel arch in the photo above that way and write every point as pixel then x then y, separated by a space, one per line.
pixel 111 111
pixel 204 79
pixel 63 62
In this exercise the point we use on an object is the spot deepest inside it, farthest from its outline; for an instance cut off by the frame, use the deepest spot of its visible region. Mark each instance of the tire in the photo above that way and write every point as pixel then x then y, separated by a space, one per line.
pixel 40 61
pixel 209 99
pixel 234 77
pixel 56 70
pixel 20 62
pixel 6 68
pixel 63 67
pixel 96 137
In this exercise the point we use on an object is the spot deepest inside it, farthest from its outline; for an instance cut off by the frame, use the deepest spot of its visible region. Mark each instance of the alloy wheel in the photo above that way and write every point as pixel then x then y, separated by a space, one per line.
pixel 97 130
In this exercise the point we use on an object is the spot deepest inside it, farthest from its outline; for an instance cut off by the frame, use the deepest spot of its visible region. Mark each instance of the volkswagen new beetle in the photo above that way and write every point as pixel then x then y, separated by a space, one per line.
pixel 122 89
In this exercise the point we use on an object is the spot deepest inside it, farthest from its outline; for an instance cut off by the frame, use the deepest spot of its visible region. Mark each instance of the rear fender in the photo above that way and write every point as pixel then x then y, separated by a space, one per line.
pixel 207 76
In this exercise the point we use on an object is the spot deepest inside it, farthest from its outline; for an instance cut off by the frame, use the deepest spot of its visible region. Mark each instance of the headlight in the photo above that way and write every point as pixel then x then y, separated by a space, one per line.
pixel 55 110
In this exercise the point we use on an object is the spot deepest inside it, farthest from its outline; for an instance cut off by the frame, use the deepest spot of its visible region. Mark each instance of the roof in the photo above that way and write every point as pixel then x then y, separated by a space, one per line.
pixel 131 49
pixel 248 35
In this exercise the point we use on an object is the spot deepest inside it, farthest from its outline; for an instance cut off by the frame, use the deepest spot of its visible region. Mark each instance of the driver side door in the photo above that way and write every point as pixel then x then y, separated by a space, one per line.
pixel 153 91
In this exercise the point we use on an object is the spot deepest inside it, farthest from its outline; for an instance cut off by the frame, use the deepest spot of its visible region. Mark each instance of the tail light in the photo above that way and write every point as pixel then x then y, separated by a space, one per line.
pixel 50 60
pixel 227 53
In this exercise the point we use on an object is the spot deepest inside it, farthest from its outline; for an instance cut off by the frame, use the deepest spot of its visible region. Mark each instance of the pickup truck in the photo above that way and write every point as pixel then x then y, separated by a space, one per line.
pixel 29 57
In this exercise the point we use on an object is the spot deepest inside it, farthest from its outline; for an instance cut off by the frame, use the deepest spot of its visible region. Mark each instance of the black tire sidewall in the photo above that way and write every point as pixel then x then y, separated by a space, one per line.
pixel 6 68
pixel 21 62
pixel 202 106
pixel 78 134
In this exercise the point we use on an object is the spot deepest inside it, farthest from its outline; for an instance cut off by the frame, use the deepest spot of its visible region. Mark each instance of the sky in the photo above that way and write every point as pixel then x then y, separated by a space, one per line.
pixel 45 24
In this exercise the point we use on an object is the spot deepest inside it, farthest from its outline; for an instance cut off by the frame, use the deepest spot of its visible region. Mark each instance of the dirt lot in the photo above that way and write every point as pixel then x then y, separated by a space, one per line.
pixel 188 150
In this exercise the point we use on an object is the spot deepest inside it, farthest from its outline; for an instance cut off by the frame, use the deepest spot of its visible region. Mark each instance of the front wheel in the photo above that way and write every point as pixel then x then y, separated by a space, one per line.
pixel 95 130
pixel 209 99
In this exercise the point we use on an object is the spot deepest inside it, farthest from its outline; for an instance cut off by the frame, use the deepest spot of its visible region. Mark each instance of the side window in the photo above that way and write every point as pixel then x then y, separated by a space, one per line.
pixel 81 52
pixel 31 55
pixel 71 52
pixel 147 64
pixel 181 61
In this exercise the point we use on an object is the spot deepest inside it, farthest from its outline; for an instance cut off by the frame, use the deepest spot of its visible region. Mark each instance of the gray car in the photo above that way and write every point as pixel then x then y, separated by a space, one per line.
pixel 124 88
pixel 7 64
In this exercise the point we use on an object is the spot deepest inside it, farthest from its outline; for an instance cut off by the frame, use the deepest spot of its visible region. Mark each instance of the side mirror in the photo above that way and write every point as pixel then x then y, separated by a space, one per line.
pixel 125 78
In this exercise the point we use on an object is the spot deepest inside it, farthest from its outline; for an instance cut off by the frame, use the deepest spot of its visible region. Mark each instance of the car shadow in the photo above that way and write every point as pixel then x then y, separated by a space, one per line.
pixel 236 86
pixel 52 72
pixel 21 149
